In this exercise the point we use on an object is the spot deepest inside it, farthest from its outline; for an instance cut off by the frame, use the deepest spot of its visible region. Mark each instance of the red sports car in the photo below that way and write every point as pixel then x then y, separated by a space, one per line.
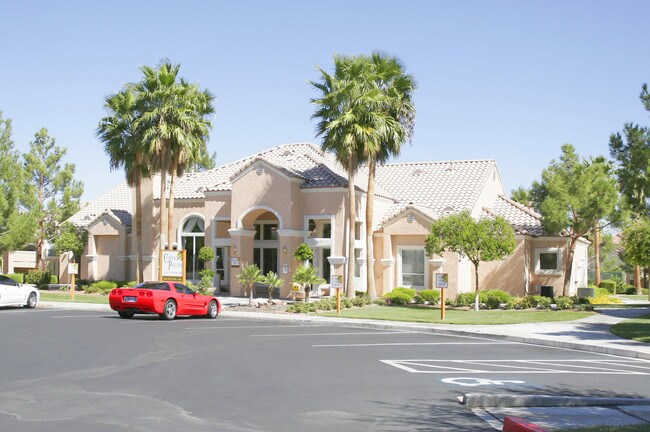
pixel 167 299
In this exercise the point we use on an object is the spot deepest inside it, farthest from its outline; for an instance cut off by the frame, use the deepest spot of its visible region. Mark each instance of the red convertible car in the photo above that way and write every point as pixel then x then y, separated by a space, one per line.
pixel 167 299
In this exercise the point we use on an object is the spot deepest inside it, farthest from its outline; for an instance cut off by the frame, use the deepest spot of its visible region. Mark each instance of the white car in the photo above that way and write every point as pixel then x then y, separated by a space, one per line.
pixel 13 293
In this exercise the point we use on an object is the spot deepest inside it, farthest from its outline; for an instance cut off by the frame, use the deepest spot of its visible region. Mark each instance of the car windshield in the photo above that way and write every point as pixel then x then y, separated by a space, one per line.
pixel 154 286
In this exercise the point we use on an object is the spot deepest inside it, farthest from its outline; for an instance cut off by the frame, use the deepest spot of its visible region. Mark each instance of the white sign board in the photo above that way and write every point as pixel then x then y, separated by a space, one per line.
pixel 73 268
pixel 172 265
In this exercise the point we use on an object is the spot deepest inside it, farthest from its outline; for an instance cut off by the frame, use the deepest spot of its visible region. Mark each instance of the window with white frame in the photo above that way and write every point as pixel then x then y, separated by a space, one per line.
pixel 412 265
pixel 548 261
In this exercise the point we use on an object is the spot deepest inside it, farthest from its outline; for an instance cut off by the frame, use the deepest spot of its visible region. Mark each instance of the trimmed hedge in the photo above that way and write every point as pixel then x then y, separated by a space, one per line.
pixel 18 277
pixel 430 296
pixel 609 285
pixel 40 278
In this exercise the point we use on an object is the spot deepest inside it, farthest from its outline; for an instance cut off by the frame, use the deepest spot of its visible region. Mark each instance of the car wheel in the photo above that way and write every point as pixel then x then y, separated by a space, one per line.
pixel 31 301
pixel 169 313
pixel 125 314
pixel 213 310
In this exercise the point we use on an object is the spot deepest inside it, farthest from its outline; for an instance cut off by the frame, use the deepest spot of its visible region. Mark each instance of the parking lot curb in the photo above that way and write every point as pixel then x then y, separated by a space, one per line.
pixel 516 424
pixel 482 400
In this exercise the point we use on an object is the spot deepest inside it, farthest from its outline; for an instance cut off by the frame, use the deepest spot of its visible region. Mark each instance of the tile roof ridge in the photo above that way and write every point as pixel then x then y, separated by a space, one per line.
pixel 436 162
pixel 521 207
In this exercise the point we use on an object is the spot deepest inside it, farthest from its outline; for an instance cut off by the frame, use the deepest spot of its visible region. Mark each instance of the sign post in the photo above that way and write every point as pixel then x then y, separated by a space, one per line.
pixel 73 268
pixel 442 282
pixel 337 283
pixel 172 265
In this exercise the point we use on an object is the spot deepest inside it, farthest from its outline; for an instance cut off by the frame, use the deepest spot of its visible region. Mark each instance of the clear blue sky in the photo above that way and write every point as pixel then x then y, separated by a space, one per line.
pixel 504 80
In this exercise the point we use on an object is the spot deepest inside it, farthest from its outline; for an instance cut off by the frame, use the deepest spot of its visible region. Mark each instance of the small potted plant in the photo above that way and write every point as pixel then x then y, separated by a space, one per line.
pixel 303 253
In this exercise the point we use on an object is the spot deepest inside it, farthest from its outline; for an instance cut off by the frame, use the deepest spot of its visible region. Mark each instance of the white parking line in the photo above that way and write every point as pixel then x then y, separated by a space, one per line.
pixel 409 344
pixel 527 366
pixel 218 327
pixel 332 334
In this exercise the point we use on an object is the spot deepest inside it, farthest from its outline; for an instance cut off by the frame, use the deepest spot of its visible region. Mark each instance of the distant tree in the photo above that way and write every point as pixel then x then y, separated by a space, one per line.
pixel 636 243
pixel 306 276
pixel 57 193
pixel 206 161
pixel 70 239
pixel 16 228
pixel 521 195
pixel 573 196
pixel 479 240
pixel 631 152
pixel 249 276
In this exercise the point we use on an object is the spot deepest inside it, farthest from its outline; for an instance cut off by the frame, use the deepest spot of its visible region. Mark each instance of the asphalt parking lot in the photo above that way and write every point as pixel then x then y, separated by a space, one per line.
pixel 82 370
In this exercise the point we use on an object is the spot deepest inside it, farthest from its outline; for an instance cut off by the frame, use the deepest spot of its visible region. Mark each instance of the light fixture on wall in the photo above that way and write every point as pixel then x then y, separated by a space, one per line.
pixel 234 250
pixel 410 218
pixel 284 250
pixel 260 171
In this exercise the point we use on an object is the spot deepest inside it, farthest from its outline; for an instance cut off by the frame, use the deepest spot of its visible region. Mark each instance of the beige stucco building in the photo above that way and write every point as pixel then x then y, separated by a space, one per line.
pixel 260 208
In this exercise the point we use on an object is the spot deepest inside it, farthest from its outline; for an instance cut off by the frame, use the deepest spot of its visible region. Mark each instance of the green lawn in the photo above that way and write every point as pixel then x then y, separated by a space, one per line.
pixel 429 315
pixel 64 296
pixel 645 427
pixel 637 329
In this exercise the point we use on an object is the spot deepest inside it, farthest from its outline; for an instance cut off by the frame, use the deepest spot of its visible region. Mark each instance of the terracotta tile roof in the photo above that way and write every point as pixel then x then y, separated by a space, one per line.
pixel 117 201
pixel 523 219
pixel 441 187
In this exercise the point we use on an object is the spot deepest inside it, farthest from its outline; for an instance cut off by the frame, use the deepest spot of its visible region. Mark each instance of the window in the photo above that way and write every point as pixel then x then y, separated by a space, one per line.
pixel 548 261
pixel 193 239
pixel 412 266
pixel 319 228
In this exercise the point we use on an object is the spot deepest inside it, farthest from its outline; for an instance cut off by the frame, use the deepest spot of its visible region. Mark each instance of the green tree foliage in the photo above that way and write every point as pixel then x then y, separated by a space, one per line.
pixel 351 118
pixel 636 241
pixel 249 276
pixel 273 281
pixel 521 195
pixel 172 122
pixel 123 146
pixel 57 193
pixel 16 228
pixel 573 195
pixel 306 276
pixel 303 252
pixel 481 240
pixel 70 239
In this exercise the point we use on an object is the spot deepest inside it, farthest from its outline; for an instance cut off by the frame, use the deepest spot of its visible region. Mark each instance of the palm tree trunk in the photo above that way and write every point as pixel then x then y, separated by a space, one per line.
pixel 163 207
pixel 370 207
pixel 139 264
pixel 597 254
pixel 170 208
pixel 637 280
pixel 352 217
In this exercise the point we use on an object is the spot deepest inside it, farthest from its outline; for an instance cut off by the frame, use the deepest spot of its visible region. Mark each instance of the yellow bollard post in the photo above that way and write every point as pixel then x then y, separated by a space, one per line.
pixel 442 304
pixel 72 287
pixel 338 301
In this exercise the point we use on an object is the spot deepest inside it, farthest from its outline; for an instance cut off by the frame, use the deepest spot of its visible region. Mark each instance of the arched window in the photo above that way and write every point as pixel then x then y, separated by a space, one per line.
pixel 193 239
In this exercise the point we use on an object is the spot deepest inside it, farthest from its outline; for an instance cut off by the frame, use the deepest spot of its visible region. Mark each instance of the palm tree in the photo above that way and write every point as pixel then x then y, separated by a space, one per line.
pixel 349 122
pixel 307 276
pixel 273 281
pixel 249 276
pixel 397 87
pixel 122 144
pixel 175 127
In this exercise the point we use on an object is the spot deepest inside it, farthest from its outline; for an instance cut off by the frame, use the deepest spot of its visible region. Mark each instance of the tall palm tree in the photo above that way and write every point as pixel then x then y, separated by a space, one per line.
pixel 175 127
pixel 122 145
pixel 349 121
pixel 397 88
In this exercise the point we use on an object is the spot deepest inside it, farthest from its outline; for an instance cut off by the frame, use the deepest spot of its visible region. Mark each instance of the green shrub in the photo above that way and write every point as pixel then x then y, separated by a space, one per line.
pixel 530 302
pixel 603 299
pixel 130 284
pixel 609 285
pixel 346 303
pixel 101 287
pixel 360 301
pixel 360 293
pixel 54 279
pixel 494 298
pixel 602 292
pixel 430 296
pixel 544 302
pixel 398 298
pixel 380 301
pixel 40 278
pixel 564 303
pixel 464 299
pixel 418 299
pixel 408 291
pixel 18 277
